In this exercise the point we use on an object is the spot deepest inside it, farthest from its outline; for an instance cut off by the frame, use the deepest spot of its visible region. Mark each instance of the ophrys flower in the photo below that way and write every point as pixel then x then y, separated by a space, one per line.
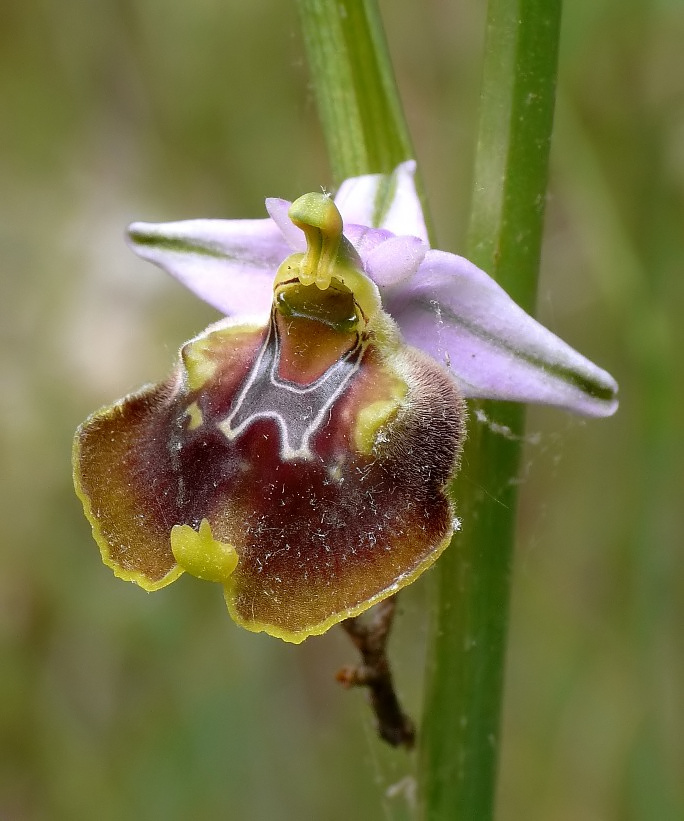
pixel 299 452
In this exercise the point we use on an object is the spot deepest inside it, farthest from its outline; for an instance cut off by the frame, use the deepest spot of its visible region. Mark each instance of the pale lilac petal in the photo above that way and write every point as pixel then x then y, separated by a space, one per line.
pixel 459 315
pixel 395 261
pixel 278 211
pixel 364 239
pixel 386 201
pixel 228 263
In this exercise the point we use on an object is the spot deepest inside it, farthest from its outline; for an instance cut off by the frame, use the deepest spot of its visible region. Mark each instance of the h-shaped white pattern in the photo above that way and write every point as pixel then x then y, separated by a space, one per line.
pixel 299 411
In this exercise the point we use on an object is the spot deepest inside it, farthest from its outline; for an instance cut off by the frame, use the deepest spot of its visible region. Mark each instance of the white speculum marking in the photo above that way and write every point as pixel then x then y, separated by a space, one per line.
pixel 299 411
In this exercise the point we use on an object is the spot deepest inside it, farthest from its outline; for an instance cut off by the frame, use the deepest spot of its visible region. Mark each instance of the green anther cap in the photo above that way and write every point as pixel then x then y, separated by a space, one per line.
pixel 318 217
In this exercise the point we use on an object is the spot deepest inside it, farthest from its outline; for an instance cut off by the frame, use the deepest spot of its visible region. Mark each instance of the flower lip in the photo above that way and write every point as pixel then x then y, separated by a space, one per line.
pixel 302 468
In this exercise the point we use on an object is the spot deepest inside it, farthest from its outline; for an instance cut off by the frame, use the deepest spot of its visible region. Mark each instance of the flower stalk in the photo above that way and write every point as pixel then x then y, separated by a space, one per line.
pixel 370 637
pixel 459 739
pixel 461 730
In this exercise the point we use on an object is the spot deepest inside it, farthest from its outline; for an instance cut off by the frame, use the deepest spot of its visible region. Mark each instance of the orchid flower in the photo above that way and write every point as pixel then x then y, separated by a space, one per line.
pixel 299 452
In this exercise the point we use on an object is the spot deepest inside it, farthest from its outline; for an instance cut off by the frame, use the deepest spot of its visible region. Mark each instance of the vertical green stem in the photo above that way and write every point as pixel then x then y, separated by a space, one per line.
pixel 356 94
pixel 459 750
pixel 366 132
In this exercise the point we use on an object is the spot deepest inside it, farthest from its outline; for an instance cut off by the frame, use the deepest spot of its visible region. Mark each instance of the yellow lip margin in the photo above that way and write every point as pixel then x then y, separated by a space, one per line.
pixel 120 572
pixel 298 636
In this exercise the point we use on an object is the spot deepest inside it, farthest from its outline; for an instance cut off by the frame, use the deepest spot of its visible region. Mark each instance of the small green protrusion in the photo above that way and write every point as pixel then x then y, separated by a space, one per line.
pixel 195 418
pixel 199 365
pixel 201 555
pixel 372 418
pixel 318 217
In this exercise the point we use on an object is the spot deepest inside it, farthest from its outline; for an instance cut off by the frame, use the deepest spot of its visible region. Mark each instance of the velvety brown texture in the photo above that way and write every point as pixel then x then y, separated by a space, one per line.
pixel 317 537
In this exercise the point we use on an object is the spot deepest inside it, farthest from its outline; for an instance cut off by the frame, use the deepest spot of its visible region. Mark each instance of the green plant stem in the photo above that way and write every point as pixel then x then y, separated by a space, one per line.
pixel 466 657
pixel 365 132
pixel 356 95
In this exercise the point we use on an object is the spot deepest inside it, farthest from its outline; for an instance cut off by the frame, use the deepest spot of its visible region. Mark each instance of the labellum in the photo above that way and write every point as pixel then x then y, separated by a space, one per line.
pixel 300 462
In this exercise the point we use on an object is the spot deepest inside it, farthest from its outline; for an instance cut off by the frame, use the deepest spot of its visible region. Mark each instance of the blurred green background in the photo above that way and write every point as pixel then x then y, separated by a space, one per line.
pixel 117 704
